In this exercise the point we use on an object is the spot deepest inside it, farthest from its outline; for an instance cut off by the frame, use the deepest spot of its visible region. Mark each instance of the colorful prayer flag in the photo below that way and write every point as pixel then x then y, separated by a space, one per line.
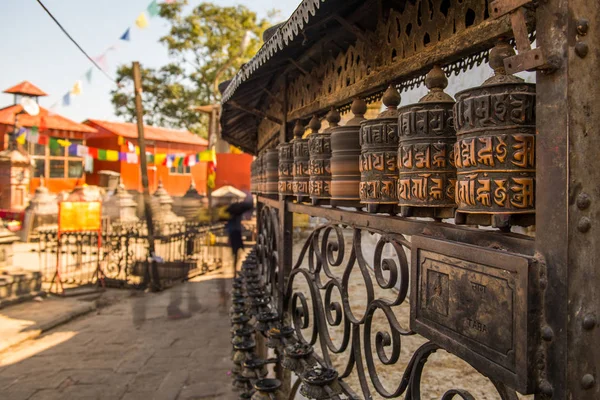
pixel 131 147
pixel 101 154
pixel 77 89
pixel 93 152
pixel 88 75
pixel 64 142
pixel 21 138
pixel 141 21
pixel 112 155
pixel 66 100
pixel 120 140
pixel 153 9
pixel 43 139
pixel 132 158
pixel 191 160
pixel 82 151
pixel 125 36
pixel 160 158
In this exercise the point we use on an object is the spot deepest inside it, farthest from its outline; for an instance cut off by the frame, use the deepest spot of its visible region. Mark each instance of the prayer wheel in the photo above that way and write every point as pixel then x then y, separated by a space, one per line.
pixel 427 175
pixel 345 159
pixel 495 149
pixel 271 172
pixel 319 148
pixel 379 157
pixel 260 172
pixel 253 183
pixel 301 161
pixel 286 169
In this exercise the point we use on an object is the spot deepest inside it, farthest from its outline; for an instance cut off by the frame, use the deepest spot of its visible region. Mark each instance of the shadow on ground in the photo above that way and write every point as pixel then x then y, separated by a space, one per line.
pixel 169 345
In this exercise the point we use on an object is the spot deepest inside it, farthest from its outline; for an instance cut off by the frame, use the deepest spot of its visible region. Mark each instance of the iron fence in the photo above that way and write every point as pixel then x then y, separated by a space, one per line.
pixel 119 256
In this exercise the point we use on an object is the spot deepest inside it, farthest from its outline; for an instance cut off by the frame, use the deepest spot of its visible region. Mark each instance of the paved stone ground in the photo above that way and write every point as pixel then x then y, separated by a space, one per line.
pixel 131 350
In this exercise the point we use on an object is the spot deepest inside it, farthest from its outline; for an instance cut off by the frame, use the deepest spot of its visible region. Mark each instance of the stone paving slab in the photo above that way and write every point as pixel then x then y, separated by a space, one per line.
pixel 131 350
pixel 28 320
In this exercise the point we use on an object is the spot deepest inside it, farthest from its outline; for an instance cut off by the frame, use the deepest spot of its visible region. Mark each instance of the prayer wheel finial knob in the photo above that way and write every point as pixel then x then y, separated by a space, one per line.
pixel 314 124
pixel 391 98
pixel 436 80
pixel 333 117
pixel 298 129
pixel 359 107
pixel 498 53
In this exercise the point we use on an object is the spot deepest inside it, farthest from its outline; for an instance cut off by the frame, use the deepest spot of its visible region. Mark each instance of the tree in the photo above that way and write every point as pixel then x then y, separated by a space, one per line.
pixel 207 44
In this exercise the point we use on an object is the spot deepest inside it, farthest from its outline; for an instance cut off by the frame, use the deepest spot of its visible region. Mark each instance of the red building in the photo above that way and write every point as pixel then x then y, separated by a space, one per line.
pixel 60 170
pixel 176 180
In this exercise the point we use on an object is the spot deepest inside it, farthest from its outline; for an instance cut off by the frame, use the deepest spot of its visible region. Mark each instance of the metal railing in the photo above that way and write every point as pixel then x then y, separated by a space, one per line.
pixel 119 256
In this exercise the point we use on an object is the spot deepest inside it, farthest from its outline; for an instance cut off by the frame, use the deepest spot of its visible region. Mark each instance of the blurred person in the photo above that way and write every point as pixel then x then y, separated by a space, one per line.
pixel 233 228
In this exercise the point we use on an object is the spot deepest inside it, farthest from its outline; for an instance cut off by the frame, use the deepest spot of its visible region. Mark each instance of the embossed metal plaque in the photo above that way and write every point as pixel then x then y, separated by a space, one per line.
pixel 474 302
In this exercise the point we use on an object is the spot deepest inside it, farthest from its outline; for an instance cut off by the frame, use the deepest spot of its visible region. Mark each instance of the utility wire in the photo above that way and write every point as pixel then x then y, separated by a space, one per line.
pixel 75 42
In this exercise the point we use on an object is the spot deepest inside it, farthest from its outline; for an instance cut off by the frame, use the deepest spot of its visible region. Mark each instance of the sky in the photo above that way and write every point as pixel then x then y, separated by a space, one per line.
pixel 35 49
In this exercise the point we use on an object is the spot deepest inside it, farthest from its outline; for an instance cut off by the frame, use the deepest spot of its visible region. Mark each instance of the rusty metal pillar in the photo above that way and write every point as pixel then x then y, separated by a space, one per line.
pixel 568 207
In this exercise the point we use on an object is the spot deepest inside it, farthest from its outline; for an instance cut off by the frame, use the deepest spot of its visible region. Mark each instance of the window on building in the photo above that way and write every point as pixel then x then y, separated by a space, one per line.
pixel 180 170
pixel 56 162
pixel 75 169
pixel 57 169
pixel 39 169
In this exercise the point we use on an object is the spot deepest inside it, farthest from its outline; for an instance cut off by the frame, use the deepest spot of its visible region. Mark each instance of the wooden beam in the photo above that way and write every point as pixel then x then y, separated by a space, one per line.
pixel 355 30
pixel 272 96
pixel 298 67
pixel 254 111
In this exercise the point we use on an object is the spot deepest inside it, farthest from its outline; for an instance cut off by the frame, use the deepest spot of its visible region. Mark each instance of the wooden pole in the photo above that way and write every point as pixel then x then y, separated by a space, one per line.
pixel 137 82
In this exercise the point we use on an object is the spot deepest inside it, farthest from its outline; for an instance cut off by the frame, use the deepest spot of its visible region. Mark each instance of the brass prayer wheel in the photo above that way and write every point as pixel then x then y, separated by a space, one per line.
pixel 271 172
pixel 301 161
pixel 260 172
pixel 495 150
pixel 379 156
pixel 427 175
pixel 345 159
pixel 286 169
pixel 319 148
pixel 253 182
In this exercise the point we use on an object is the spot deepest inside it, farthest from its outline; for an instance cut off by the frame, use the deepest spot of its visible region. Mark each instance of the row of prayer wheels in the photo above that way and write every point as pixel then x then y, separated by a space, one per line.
pixel 472 159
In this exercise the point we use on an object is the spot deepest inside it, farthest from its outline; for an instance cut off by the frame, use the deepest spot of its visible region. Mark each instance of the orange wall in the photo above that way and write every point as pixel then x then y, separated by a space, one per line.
pixel 176 185
pixel 233 170
pixel 56 185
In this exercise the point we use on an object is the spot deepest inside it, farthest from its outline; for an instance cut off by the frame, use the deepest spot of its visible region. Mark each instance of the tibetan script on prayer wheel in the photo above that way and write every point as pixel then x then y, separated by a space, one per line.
pixel 427 175
pixel 286 169
pixel 319 147
pixel 495 151
pixel 301 163
pixel 379 154
pixel 271 172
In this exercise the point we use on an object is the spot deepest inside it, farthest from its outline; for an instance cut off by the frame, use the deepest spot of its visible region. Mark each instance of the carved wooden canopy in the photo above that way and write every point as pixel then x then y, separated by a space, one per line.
pixel 330 51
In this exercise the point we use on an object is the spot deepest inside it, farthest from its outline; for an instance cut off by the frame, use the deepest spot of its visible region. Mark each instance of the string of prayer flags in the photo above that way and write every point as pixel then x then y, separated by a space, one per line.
pixel 125 37
pixel 141 21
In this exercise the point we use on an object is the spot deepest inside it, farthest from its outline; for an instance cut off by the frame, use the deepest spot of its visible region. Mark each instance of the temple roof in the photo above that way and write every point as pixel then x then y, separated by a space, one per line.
pixel 26 88
pixel 129 130
pixel 45 119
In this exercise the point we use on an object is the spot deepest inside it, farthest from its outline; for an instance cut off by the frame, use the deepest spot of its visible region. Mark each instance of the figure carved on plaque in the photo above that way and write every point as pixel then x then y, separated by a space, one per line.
pixel 437 292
